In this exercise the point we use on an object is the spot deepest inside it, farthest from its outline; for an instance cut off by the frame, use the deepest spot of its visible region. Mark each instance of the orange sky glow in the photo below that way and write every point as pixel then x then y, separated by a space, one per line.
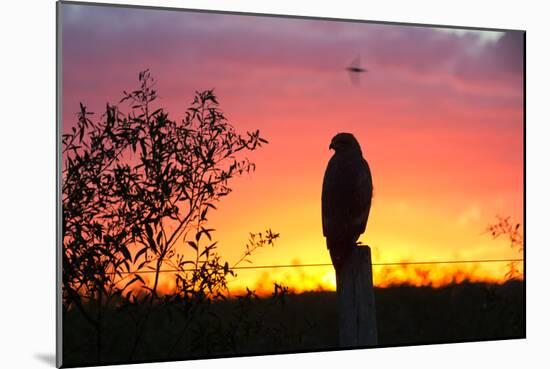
pixel 439 116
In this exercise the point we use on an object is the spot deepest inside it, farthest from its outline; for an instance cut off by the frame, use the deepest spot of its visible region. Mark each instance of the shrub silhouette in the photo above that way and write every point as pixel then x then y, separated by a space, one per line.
pixel 137 190
pixel 512 231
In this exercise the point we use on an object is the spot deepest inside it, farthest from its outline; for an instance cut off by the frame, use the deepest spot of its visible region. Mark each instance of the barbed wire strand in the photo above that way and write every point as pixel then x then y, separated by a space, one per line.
pixel 276 266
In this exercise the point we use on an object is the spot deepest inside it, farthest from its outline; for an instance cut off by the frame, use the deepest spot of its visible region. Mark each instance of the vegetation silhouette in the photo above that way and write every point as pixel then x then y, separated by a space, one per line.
pixel 512 231
pixel 137 190
pixel 406 315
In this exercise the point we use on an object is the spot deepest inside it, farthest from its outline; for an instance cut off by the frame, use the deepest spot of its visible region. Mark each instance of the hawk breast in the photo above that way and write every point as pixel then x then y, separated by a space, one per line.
pixel 346 197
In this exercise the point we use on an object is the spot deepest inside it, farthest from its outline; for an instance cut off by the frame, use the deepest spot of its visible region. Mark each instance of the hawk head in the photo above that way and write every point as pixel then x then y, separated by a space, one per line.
pixel 344 142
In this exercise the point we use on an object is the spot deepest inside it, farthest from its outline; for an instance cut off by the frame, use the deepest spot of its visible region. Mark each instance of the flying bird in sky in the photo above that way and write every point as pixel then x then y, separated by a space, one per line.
pixel 355 69
pixel 346 197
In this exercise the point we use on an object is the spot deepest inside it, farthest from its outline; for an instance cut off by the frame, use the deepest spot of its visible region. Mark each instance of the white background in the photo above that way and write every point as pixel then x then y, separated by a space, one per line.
pixel 27 181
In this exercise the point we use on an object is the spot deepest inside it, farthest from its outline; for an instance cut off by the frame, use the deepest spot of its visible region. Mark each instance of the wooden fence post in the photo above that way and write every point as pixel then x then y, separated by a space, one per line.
pixel 356 307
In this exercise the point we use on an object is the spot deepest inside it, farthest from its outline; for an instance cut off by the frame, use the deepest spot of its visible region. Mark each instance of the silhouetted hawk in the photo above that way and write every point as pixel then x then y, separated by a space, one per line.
pixel 346 197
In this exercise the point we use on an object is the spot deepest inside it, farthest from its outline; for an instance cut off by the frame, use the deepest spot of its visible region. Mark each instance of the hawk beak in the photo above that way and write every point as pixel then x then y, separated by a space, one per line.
pixel 331 146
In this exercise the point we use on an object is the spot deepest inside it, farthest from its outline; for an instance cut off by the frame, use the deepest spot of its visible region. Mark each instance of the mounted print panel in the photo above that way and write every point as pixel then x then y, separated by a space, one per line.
pixel 242 184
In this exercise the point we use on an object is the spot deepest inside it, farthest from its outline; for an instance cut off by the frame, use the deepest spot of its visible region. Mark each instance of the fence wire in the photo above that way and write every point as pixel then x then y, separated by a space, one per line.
pixel 276 266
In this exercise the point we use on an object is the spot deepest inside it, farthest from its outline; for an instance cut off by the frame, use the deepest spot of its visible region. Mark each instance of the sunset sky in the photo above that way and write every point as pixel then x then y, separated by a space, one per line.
pixel 439 116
